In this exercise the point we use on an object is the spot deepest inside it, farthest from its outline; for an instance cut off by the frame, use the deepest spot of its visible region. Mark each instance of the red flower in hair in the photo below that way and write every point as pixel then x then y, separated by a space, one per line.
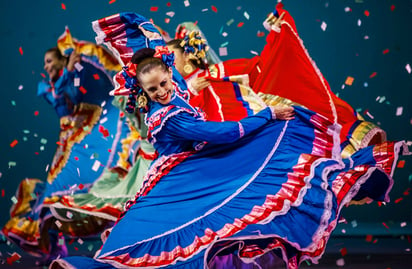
pixel 163 53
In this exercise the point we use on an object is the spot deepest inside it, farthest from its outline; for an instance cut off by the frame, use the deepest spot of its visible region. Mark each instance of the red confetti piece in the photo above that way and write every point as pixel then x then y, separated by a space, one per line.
pixel 21 50
pixel 109 150
pixel 386 226
pixel 214 9
pixel 167 20
pixel 379 204
pixel 366 12
pixel 13 258
pixel 76 158
pixel 96 76
pixel 260 34
pixel 12 144
pixel 71 241
pixel 385 51
pixel 368 238
pixel 63 6
pixel 398 200
pixel 2 193
pixel 36 113
pixel 59 143
pixel 43 75
pixel 154 9
pixel 36 153
pixel 168 4
pixel 401 164
pixel 121 114
pixel 373 75
pixel 392 7
pixel 112 1
pixel 343 251
pixel 240 24
pixel 76 248
pixel 81 186
pixel 82 89
pixel 406 192
pixel 104 131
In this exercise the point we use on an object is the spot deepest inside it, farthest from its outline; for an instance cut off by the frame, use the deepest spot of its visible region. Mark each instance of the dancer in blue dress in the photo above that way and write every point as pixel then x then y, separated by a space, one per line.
pixel 270 185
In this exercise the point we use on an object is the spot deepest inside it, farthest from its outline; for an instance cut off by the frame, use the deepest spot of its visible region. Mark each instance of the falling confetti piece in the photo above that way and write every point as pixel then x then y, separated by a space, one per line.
pixel 96 165
pixel 343 251
pixel 76 158
pixel 323 26
pixel 399 111
pixel 401 164
pixel 254 52
pixel 408 68
pixel 14 199
pixel 61 242
pixel 349 80
pixel 359 22
pixel 80 241
pixel 168 4
pixel 354 223
pixel 170 14
pixel 82 89
pixel 63 6
pixel 229 22
pixel 76 82
pixel 403 224
pixel 392 7
pixel 369 238
pixel 398 200
pixel 186 2
pixel 13 258
pixel 20 87
pixel 240 24
pixel 78 67
pixel 348 9
pixel 246 15
pixel 386 51
pixel 112 1
pixel 222 51
pixel 373 75
pixel 153 9
pixel 340 262
pixel 214 9
pixel 167 20
pixel 21 50
pixel 386 226
pixel 367 13
pixel 14 143
pixel 260 34
pixel 36 113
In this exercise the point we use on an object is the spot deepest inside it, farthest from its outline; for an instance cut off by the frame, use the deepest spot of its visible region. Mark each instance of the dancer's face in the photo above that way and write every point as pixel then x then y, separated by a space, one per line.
pixel 157 83
pixel 53 65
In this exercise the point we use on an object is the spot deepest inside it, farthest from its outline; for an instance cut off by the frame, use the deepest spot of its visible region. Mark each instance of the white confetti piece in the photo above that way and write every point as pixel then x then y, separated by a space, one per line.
pixel 205 9
pixel 58 223
pixel 323 26
pixel 170 14
pixel 20 87
pixel 14 199
pixel 347 9
pixel 370 115
pixel 43 141
pixel 105 112
pixel 103 120
pixel 78 171
pixel 41 148
pixel 340 262
pixel 246 15
pixel 96 165
pixel 76 82
pixel 408 68
pixel 403 224
pixel 223 51
pixel 78 67
pixel 359 22
pixel 254 52
pixel 366 37
pixel 224 34
pixel 69 215
pixel 47 168
pixel 61 242
pixel 354 223
pixel 186 2
pixel 11 164
pixel 343 231
pixel 80 241
pixel 399 111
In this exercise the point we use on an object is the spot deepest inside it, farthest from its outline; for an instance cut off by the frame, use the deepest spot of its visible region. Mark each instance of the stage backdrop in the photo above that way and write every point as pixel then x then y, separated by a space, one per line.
pixel 364 40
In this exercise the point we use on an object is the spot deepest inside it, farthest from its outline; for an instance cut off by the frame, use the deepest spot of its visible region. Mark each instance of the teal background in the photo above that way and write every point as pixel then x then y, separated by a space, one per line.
pixel 340 51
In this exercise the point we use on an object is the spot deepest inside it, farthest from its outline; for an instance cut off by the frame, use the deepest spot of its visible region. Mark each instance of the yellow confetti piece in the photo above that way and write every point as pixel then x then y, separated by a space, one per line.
pixel 349 80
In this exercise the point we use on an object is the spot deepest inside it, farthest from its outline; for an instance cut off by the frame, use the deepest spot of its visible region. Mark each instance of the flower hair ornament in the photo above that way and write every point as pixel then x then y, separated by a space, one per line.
pixel 195 46
pixel 164 54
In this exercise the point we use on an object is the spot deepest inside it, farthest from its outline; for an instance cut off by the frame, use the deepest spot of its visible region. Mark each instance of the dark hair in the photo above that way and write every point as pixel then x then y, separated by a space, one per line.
pixel 145 61
pixel 56 52
pixel 179 44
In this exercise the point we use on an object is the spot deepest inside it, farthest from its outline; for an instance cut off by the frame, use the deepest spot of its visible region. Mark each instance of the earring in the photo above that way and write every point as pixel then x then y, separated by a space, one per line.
pixel 188 68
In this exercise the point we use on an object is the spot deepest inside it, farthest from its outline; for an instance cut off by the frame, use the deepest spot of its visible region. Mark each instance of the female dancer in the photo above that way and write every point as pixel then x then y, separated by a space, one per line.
pixel 91 130
pixel 272 184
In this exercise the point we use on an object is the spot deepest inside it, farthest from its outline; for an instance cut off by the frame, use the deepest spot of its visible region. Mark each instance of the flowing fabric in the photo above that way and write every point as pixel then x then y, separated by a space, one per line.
pixel 284 73
pixel 257 186
pixel 91 130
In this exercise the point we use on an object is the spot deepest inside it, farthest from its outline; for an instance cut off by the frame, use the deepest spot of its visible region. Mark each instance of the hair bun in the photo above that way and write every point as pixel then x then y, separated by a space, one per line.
pixel 142 54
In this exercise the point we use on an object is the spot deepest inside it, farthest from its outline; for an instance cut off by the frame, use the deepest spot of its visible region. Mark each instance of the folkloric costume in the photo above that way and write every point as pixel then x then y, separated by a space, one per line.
pixel 253 190
pixel 91 130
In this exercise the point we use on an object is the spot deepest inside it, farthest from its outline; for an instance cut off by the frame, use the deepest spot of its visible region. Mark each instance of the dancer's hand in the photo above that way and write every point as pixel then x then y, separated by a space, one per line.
pixel 199 83
pixel 73 59
pixel 282 112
